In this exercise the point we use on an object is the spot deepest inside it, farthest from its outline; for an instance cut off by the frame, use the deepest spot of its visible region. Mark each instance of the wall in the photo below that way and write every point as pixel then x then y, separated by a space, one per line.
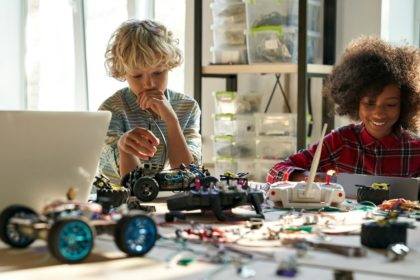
pixel 397 21
pixel 356 17
pixel 11 61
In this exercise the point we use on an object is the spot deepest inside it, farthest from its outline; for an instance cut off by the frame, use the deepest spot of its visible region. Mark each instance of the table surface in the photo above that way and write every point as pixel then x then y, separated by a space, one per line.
pixel 107 262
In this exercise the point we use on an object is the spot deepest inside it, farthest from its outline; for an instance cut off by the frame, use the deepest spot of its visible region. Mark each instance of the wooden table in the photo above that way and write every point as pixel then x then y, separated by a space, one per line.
pixel 107 262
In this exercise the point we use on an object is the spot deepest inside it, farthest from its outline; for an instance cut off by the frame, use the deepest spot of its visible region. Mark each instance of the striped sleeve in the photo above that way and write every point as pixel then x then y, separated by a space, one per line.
pixel 109 158
pixel 192 134
pixel 189 114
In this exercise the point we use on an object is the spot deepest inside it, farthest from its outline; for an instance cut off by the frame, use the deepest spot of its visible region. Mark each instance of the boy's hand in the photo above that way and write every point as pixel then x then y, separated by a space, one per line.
pixel 139 142
pixel 155 100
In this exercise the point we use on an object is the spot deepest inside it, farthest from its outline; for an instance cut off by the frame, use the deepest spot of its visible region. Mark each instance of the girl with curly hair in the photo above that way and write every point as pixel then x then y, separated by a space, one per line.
pixel 142 53
pixel 377 85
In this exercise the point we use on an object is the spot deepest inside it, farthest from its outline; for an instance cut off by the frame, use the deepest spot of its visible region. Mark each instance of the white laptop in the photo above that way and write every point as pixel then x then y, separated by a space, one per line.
pixel 399 187
pixel 43 154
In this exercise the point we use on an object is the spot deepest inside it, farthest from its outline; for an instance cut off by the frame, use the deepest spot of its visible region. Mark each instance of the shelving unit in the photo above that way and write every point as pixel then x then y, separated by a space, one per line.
pixel 303 70
pixel 273 68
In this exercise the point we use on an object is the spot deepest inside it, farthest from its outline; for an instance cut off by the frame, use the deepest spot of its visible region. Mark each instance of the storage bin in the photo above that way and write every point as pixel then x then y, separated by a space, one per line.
pixel 274 44
pixel 234 124
pixel 229 55
pixel 230 102
pixel 313 14
pixel 273 147
pixel 233 147
pixel 271 44
pixel 267 13
pixel 313 50
pixel 229 35
pixel 276 124
pixel 228 12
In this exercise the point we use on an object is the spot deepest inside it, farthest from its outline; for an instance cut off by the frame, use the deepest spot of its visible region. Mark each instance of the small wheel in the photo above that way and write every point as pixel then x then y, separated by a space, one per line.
pixel 112 197
pixel 71 240
pixel 135 235
pixel 146 189
pixel 9 233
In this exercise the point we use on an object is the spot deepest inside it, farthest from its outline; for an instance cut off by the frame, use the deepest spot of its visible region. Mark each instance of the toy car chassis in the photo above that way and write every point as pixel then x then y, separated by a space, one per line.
pixel 70 233
pixel 145 183
pixel 216 201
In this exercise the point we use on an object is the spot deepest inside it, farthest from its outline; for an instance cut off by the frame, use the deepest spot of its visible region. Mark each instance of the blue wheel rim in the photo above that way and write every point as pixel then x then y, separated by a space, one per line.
pixel 140 235
pixel 75 240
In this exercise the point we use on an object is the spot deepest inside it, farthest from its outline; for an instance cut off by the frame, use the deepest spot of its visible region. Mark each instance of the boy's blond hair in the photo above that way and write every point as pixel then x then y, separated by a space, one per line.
pixel 139 45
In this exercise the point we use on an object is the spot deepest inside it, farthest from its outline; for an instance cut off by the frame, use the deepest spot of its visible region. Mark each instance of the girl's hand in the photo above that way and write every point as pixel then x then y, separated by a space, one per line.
pixel 298 176
pixel 139 142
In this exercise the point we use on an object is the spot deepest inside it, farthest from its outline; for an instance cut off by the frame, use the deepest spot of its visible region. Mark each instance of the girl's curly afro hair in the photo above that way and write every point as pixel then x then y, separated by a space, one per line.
pixel 366 67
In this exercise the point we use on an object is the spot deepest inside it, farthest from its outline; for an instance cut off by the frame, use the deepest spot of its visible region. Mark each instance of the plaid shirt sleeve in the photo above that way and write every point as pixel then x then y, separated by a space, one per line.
pixel 302 160
pixel 350 149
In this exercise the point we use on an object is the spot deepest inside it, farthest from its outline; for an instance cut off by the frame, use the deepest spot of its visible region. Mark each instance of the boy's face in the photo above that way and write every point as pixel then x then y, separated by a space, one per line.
pixel 149 79
pixel 381 113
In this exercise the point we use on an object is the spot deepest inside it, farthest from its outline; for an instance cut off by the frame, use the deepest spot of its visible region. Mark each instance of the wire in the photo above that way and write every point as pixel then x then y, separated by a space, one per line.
pixel 165 145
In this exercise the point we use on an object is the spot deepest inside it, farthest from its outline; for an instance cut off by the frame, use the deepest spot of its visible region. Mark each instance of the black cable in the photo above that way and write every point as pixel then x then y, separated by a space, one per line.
pixel 282 92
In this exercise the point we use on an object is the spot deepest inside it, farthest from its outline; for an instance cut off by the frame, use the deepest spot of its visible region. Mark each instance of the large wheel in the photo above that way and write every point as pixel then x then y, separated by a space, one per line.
pixel 71 240
pixel 146 189
pixel 9 233
pixel 135 235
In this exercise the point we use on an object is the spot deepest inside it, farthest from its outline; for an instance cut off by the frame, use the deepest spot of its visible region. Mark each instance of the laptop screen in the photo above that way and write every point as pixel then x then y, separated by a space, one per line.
pixel 399 187
pixel 43 154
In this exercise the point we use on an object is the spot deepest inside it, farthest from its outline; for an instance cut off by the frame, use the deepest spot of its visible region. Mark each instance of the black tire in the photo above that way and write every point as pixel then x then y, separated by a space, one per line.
pixel 70 240
pixel 9 233
pixel 146 189
pixel 135 234
pixel 376 235
pixel 112 197
pixel 208 181
pixel 372 195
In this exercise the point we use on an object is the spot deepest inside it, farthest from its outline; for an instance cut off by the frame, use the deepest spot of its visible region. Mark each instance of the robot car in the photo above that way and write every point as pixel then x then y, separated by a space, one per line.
pixel 70 228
